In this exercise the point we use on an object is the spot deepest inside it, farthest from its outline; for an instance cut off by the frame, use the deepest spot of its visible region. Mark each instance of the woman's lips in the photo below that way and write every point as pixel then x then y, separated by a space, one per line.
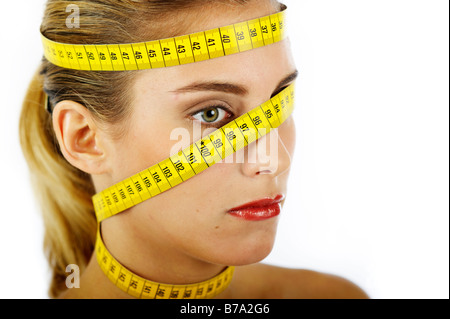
pixel 258 210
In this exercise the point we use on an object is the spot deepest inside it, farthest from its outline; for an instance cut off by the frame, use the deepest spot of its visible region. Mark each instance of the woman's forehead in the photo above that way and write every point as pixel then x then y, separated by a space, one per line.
pixel 251 66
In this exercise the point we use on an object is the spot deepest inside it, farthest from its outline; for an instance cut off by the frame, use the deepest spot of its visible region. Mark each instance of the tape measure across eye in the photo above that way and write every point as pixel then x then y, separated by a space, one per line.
pixel 180 50
pixel 195 158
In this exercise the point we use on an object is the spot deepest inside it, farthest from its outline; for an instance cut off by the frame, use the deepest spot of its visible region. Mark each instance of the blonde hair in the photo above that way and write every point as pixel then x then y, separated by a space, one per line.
pixel 64 192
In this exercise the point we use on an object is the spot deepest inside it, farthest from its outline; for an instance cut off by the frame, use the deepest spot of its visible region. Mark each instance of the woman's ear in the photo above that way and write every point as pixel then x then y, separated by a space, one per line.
pixel 79 137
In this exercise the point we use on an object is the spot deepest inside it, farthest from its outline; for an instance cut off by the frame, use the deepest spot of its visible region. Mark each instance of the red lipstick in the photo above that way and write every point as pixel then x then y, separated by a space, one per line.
pixel 258 210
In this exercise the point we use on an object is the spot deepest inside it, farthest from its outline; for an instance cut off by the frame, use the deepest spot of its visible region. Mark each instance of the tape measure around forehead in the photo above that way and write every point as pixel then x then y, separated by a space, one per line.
pixel 195 158
pixel 142 288
pixel 180 50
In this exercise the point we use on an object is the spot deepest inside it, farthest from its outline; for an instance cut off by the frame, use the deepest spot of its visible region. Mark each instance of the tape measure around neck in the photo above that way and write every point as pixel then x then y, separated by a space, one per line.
pixel 180 50
pixel 141 288
pixel 195 158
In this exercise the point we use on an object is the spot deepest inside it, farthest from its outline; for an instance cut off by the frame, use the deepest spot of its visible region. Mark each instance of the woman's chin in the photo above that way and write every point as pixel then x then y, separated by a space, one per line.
pixel 249 253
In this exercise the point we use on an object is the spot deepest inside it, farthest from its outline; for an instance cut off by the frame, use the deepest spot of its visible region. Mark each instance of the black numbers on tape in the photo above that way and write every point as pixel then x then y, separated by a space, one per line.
pixel 166 51
pixel 244 127
pixel 181 49
pixel 115 198
pixel 147 182
pixel 204 150
pixel 196 46
pixel 161 292
pixel 125 56
pixel 130 190
pixel 257 120
pixel 268 114
pixel 151 53
pixel 253 33
pixel 211 42
pixel 147 289
pixel 192 158
pixel 231 136
pixel 90 55
pixel 218 143
pixel 157 178
pixel 167 172
pixel 133 284
pixel 226 39
pixel 264 29
pixel 178 166
pixel 277 108
pixel 108 201
pixel 240 36
pixel 138 186
pixel 122 194
pixel 102 56
pixel 274 27
pixel 138 55
pixel 113 56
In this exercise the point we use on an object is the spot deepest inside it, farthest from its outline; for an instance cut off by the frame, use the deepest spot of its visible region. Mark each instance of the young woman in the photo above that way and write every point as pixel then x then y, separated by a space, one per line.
pixel 102 127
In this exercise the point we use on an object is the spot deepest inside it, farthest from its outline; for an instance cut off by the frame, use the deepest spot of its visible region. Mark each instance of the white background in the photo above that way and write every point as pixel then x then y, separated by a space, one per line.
pixel 368 194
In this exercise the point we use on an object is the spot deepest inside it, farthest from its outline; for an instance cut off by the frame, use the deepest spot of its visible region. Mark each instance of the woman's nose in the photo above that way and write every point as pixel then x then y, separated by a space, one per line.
pixel 268 155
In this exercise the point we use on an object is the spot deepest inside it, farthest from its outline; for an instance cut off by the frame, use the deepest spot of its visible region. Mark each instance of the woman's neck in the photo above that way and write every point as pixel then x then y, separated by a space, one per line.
pixel 158 263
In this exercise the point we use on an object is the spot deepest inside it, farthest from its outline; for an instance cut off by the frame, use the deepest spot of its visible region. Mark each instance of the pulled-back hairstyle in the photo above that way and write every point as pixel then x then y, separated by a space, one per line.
pixel 64 192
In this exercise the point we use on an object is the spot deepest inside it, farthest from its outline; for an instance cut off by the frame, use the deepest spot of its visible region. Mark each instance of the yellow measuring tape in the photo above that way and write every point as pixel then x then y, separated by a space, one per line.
pixel 180 50
pixel 192 160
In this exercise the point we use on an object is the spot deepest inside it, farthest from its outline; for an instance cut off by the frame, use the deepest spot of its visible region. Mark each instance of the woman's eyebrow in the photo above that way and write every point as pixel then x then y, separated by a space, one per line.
pixel 226 87
pixel 214 86
pixel 288 79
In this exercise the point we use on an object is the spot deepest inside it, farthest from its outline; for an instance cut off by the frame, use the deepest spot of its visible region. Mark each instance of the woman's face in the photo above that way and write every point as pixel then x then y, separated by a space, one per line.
pixel 191 219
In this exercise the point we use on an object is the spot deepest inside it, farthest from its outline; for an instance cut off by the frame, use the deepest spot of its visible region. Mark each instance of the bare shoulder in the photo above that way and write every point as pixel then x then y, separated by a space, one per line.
pixel 278 282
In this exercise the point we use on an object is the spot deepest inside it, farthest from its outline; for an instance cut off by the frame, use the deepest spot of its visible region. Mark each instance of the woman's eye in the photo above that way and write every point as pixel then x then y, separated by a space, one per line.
pixel 212 115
